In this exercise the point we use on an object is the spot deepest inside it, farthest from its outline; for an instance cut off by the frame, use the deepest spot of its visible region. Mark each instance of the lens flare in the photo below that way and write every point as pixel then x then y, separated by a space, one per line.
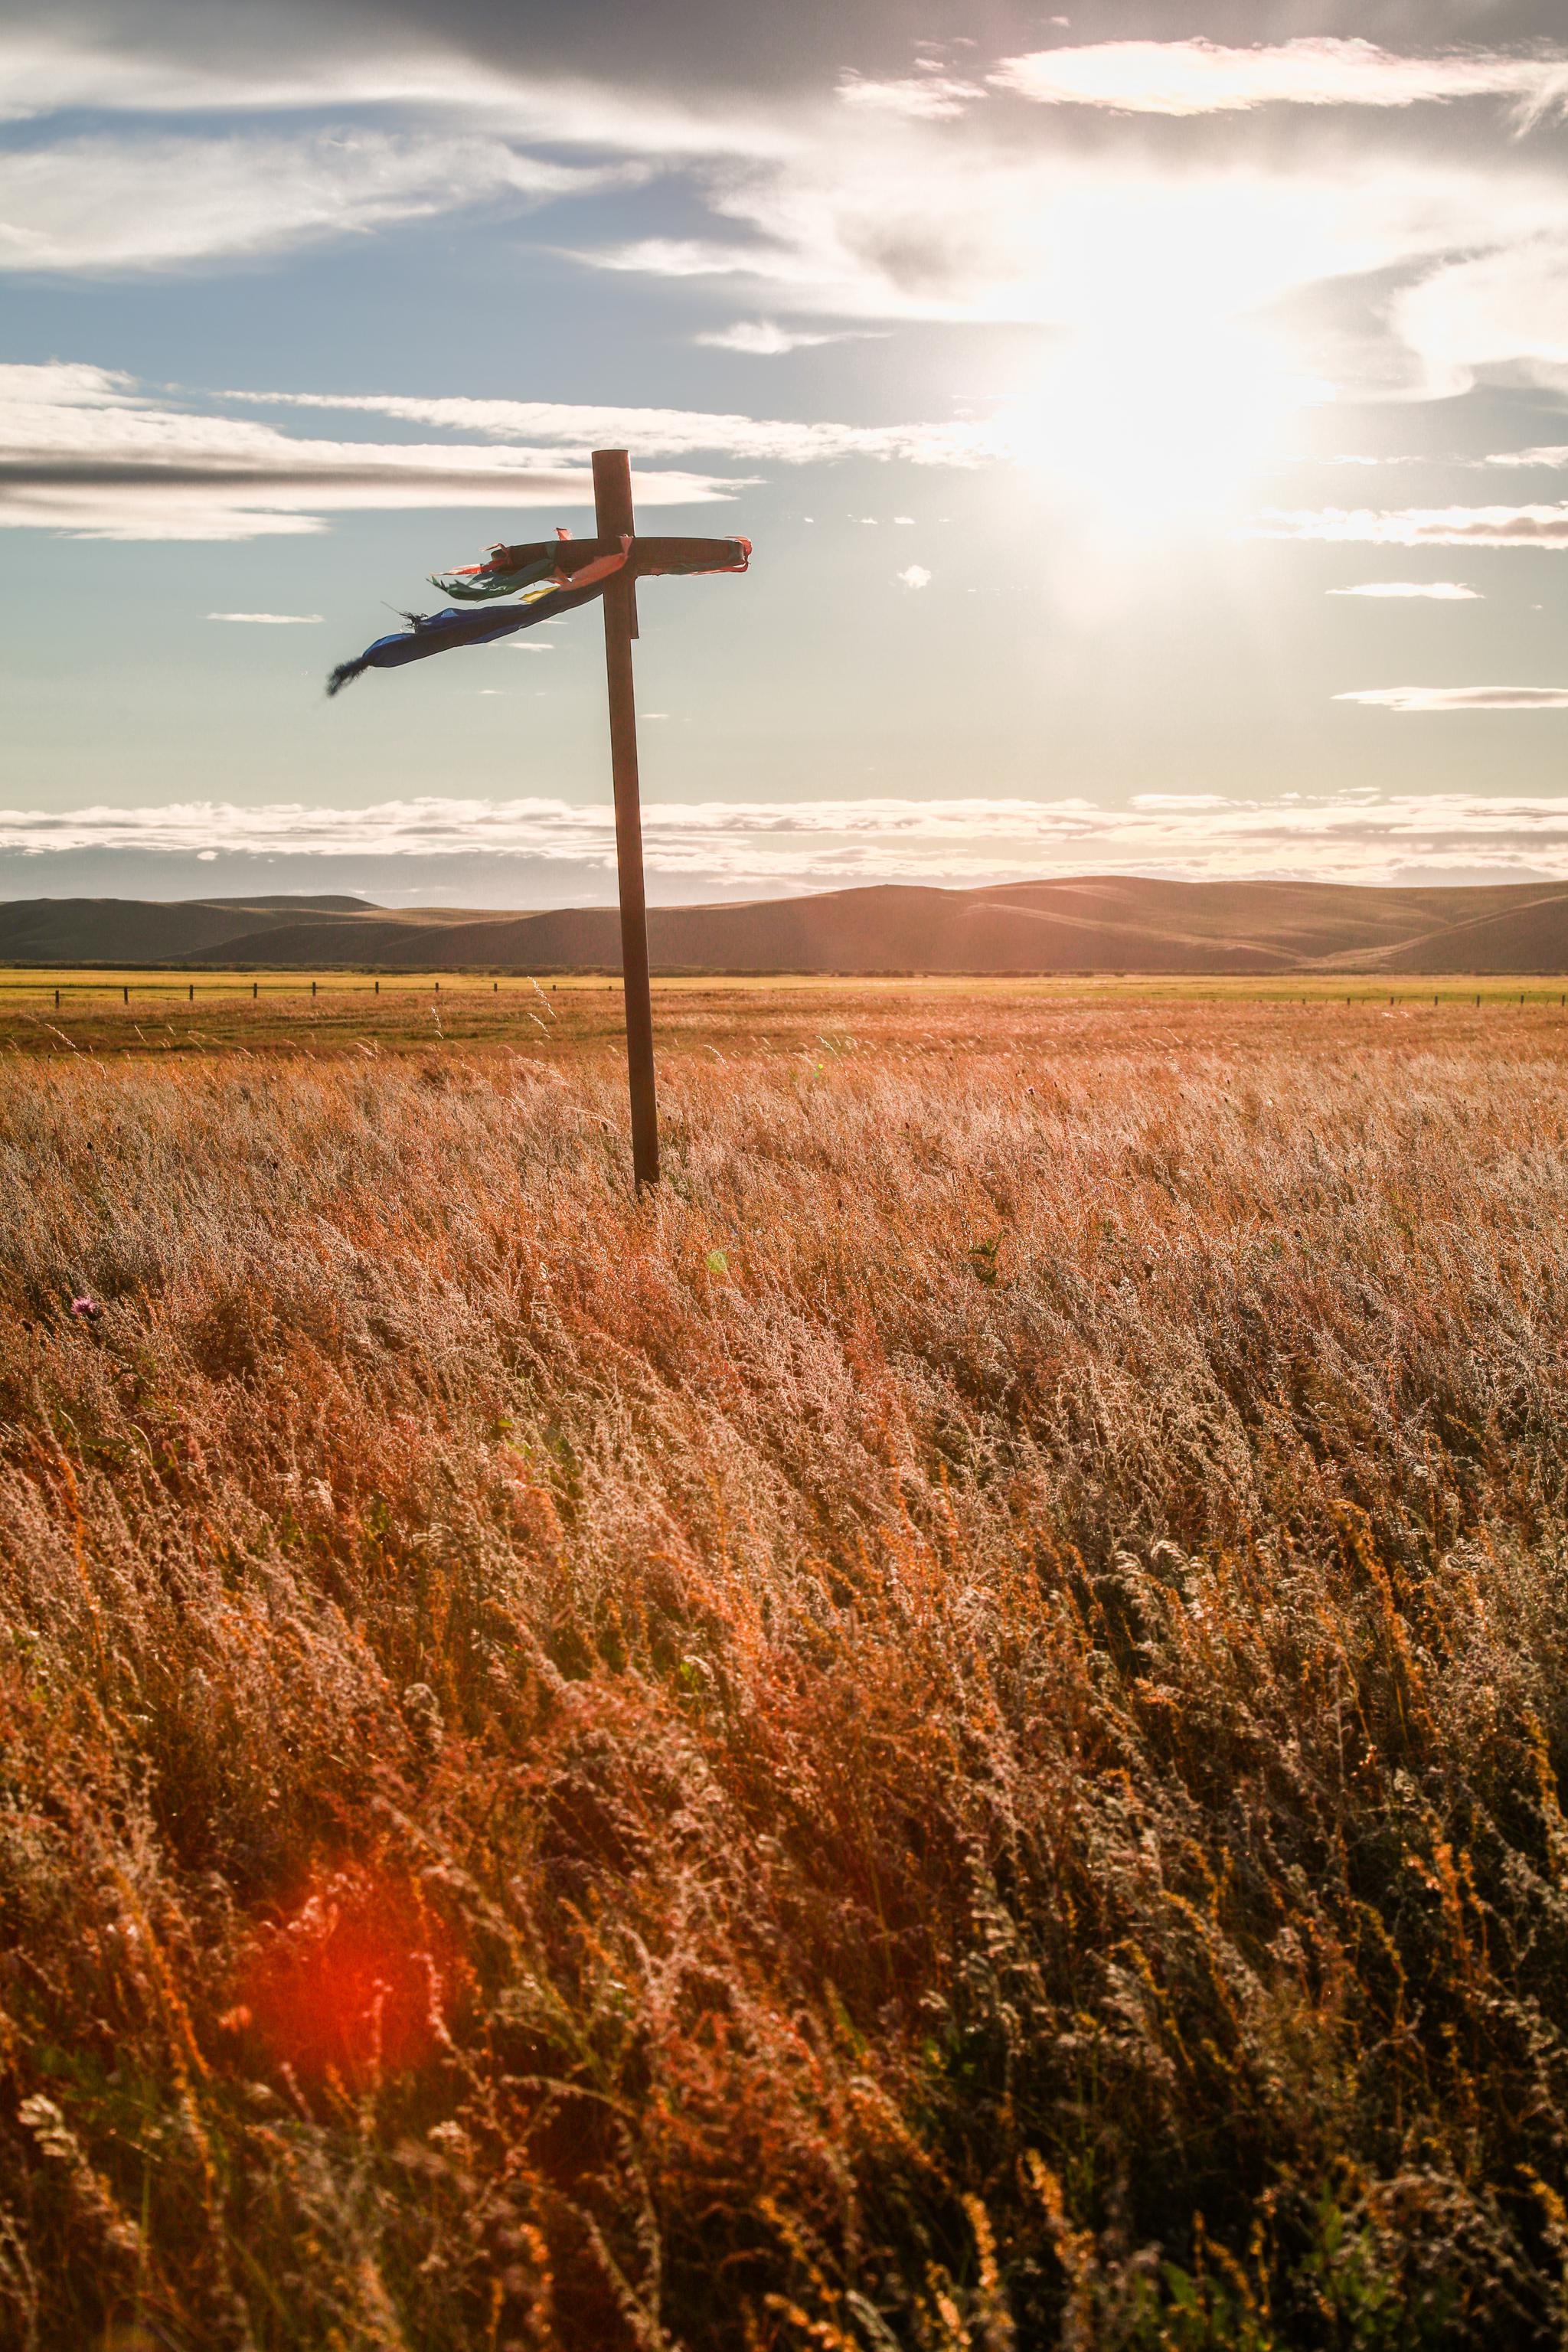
pixel 353 1982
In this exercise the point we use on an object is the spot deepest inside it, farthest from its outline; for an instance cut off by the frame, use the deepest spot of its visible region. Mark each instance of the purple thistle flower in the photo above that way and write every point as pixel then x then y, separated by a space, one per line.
pixel 86 1310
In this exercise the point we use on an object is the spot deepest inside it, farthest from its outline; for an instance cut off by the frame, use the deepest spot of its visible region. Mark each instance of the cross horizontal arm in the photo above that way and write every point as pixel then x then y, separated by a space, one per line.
pixel 646 557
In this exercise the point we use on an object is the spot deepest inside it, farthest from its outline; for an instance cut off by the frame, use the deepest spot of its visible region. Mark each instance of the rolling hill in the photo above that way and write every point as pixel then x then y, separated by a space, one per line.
pixel 1089 923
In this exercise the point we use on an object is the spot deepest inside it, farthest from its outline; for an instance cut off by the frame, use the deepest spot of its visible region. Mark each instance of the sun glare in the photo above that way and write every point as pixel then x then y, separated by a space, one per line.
pixel 1156 427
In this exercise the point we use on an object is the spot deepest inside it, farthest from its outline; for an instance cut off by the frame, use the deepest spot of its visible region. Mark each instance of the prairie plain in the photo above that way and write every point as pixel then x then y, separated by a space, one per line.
pixel 141 1009
pixel 947 1734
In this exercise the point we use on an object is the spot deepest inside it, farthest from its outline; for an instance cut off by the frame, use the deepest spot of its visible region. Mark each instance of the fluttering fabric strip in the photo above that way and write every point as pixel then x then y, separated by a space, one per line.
pixel 505 570
pixel 477 582
pixel 554 576
pixel 438 633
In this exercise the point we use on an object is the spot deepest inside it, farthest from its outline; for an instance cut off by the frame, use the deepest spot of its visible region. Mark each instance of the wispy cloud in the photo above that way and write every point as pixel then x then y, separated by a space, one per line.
pixel 575 428
pixel 64 69
pixel 1200 77
pixel 933 96
pixel 126 203
pixel 1461 697
pixel 1497 308
pixel 88 451
pixel 764 339
pixel 1439 592
pixel 879 205
pixel 922 220
pixel 270 620
pixel 828 843
pixel 53 68
pixel 84 451
pixel 690 257
pixel 1531 526
pixel 914 575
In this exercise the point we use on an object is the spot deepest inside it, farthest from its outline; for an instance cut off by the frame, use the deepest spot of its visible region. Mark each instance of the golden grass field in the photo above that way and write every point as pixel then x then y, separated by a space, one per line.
pixel 136 1011
pixel 948 1736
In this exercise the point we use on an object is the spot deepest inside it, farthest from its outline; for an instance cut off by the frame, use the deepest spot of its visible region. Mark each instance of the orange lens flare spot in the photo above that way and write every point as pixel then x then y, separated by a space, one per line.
pixel 355 1981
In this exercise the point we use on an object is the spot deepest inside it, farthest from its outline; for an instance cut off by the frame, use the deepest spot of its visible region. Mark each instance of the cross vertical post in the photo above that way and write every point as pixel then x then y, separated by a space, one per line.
pixel 614 520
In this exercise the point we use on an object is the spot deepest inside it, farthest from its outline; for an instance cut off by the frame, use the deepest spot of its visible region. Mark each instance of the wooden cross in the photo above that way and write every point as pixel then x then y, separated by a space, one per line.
pixel 617 530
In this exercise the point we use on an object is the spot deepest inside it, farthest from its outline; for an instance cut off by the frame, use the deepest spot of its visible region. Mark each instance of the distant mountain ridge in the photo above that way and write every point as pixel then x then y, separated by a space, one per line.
pixel 1092 923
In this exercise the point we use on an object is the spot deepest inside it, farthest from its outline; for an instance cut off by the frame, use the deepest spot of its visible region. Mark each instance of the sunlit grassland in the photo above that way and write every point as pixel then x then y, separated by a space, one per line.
pixel 142 1011
pixel 947 1734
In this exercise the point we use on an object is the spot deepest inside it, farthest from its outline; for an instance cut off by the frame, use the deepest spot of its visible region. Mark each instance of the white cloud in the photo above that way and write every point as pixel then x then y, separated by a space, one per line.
pixel 577 428
pixel 1461 697
pixel 87 451
pixel 1533 526
pixel 1503 310
pixel 826 843
pixel 67 383
pixel 270 620
pixel 933 221
pixel 935 99
pixel 680 257
pixel 876 206
pixel 845 210
pixel 82 451
pixel 914 575
pixel 1439 591
pixel 44 72
pixel 764 339
pixel 109 203
pixel 1199 77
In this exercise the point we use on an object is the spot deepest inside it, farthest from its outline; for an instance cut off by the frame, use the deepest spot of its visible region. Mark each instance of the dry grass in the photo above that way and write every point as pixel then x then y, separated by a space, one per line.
pixel 160 1014
pixel 948 1737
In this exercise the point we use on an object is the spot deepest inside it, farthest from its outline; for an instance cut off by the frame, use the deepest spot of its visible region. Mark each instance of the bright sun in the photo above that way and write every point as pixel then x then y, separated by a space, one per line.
pixel 1156 426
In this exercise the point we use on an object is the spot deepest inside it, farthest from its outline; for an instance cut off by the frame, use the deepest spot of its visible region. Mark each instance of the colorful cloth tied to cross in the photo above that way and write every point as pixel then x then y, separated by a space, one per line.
pixel 548 578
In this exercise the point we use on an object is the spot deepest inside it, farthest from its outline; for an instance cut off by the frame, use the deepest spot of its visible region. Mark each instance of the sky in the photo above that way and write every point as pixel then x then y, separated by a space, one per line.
pixel 1151 421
